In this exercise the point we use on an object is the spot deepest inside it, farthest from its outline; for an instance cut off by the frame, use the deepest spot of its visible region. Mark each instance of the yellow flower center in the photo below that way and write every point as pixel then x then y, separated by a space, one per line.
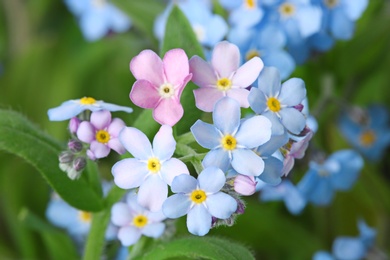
pixel 198 196
pixel 331 3
pixel 85 216
pixel 367 138
pixel 229 142
pixel 102 136
pixel 140 221
pixel 224 84
pixel 87 101
pixel 252 53
pixel 154 165
pixel 250 4
pixel 166 90
pixel 273 104
pixel 287 9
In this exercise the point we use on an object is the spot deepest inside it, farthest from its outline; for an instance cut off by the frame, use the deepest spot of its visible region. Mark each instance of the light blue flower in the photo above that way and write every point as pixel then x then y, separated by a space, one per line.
pixel 368 131
pixel 338 172
pixel 209 28
pixel 246 15
pixel 286 191
pixel 231 142
pixel 268 43
pixel 134 220
pixel 98 17
pixel 72 108
pixel 200 199
pixel 276 101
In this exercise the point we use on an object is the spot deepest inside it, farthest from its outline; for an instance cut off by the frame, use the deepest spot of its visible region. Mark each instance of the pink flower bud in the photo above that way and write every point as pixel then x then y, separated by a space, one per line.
pixel 74 124
pixel 245 185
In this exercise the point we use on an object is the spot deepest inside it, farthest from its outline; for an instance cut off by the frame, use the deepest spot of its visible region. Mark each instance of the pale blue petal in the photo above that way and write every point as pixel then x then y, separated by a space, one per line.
pixel 245 18
pixel 216 30
pixel 120 214
pixel 60 214
pixel 293 92
pixel 66 111
pixel 176 206
pixel 110 107
pixel 226 115
pixel 308 183
pixel 348 248
pixel 221 205
pixel 269 81
pixel 341 26
pixel 351 163
pixel 270 147
pixel 154 230
pixel 273 193
pixel 354 8
pixel 271 37
pixel 293 120
pixel 367 234
pixel 77 7
pixel 218 157
pixel 129 173
pixel 184 184
pixel 280 59
pixel 322 255
pixel 93 25
pixel 277 127
pixel 272 171
pixel 172 168
pixel 309 20
pixel 230 4
pixel 152 193
pixel 129 235
pixel 136 143
pixel 247 162
pixel 164 144
pixel 206 134
pixel 118 20
pixel 211 179
pixel 254 132
pixel 294 200
pixel 322 41
pixel 257 100
pixel 322 194
pixel 199 220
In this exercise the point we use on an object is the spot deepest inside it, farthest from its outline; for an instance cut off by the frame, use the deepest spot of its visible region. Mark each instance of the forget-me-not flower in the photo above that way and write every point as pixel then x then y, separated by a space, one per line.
pixel 152 169
pixel 277 101
pixel 200 199
pixel 230 140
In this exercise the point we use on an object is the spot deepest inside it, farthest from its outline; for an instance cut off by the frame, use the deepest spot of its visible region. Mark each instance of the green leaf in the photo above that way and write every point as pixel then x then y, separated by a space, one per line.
pixel 179 34
pixel 20 137
pixel 199 248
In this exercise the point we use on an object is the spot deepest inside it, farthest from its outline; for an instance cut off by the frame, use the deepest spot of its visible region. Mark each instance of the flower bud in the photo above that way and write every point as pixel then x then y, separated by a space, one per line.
pixel 79 164
pixel 66 157
pixel 245 185
pixel 74 124
pixel 75 146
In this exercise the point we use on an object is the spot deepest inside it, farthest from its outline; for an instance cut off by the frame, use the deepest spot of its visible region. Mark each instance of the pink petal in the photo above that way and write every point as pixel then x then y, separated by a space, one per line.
pixel 152 193
pixel 225 59
pixel 248 73
pixel 99 150
pixel 168 112
pixel 148 66
pixel 179 89
pixel 115 127
pixel 86 132
pixel 176 66
pixel 241 95
pixel 116 145
pixel 206 98
pixel 101 119
pixel 144 94
pixel 203 73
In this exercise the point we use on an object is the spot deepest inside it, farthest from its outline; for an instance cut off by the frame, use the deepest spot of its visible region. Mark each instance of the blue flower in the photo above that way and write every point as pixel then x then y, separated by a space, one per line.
pixel 276 101
pixel 246 15
pixel 200 199
pixel 367 131
pixel 338 172
pixel 286 191
pixel 98 17
pixel 72 108
pixel 232 141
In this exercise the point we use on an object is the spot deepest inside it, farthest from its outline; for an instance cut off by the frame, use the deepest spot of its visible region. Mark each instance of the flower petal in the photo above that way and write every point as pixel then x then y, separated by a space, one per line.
pixel 226 115
pixel 136 143
pixel 203 73
pixel 86 132
pixel 254 132
pixel 247 162
pixel 99 150
pixel 152 193
pixel 144 94
pixel 257 100
pixel 120 214
pixel 293 92
pixel 101 119
pixel 248 73
pixel 206 134
pixel 67 110
pixel 154 230
pixel 218 158
pixel 116 145
pixel 241 95
pixel 129 235
pixel 184 183
pixel 225 59
pixel 164 144
pixel 176 66
pixel 168 112
pixel 205 98
pixel 148 65
pixel 176 206
pixel 221 205
pixel 129 173
pixel 172 168
pixel 211 179
pixel 198 220
pixel 115 127
pixel 293 120
pixel 269 81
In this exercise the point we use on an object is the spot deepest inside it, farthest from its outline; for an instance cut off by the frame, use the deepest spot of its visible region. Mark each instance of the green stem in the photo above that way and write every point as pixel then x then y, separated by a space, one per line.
pixel 190 157
pixel 137 249
pixel 94 177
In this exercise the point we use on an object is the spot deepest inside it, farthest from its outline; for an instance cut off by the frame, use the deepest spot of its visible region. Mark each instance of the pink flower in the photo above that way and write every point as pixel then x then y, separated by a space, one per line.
pixel 245 185
pixel 223 77
pixel 102 134
pixel 160 83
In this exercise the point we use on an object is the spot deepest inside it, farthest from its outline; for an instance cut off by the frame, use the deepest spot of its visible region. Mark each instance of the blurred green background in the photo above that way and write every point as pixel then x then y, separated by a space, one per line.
pixel 44 60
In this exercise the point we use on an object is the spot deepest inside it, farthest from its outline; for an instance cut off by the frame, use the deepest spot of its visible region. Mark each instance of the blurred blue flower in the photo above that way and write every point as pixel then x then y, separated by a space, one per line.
pixel 98 17
pixel 350 248
pixel 244 14
pixel 277 101
pixel 368 131
pixel 338 172
pixel 209 28
pixel 230 140
pixel 286 191
pixel 74 107
pixel 200 199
